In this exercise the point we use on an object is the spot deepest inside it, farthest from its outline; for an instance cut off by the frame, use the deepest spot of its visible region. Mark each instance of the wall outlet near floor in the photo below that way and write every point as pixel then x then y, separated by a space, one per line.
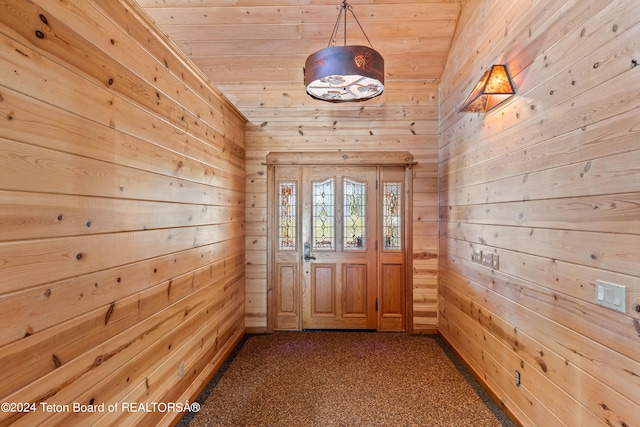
pixel 611 295
pixel 517 377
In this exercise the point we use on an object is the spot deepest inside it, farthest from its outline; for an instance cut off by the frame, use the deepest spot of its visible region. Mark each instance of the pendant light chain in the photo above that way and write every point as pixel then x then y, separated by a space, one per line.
pixel 346 6
pixel 343 8
pixel 334 33
pixel 358 22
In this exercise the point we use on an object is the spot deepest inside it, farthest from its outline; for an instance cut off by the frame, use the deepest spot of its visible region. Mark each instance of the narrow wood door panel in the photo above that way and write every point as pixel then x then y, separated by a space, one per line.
pixel 287 296
pixel 391 290
pixel 287 300
pixel 323 290
pixel 391 306
pixel 286 252
pixel 392 266
pixel 355 297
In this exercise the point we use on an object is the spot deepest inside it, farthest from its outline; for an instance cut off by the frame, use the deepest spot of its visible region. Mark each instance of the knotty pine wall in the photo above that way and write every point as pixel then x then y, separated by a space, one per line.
pixel 122 221
pixel 403 118
pixel 549 181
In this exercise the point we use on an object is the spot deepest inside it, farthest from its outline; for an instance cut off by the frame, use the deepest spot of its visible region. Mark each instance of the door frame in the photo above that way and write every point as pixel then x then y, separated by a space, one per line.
pixel 342 158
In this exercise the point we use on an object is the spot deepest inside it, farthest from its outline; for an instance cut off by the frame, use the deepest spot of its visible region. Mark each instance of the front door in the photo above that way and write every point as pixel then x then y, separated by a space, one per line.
pixel 338 252
pixel 339 281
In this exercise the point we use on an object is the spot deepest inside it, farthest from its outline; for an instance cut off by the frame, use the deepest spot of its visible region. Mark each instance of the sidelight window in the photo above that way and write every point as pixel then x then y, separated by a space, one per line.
pixel 287 215
pixel 391 216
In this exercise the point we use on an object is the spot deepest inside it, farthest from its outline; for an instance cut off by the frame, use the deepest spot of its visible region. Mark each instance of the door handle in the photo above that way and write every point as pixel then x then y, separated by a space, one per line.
pixel 307 252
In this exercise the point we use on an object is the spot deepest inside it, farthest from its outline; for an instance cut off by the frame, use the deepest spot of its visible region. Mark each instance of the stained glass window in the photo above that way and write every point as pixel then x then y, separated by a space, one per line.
pixel 323 218
pixel 287 215
pixel 354 214
pixel 391 216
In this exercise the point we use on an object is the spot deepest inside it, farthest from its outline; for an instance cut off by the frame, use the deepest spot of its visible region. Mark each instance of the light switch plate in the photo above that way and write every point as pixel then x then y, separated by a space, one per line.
pixel 611 295
pixel 476 256
pixel 487 259
pixel 496 262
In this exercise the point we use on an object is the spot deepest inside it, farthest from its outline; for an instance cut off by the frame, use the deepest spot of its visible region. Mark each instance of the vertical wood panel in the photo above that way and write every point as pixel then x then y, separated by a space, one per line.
pixel 355 298
pixel 286 297
pixel 391 301
pixel 323 290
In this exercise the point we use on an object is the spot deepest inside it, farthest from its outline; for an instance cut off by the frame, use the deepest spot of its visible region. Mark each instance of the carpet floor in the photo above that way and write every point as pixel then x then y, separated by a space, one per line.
pixel 344 379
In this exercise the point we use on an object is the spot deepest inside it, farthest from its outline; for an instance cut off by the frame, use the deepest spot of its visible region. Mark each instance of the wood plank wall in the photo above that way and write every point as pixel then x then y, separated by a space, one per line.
pixel 255 52
pixel 404 117
pixel 122 185
pixel 549 181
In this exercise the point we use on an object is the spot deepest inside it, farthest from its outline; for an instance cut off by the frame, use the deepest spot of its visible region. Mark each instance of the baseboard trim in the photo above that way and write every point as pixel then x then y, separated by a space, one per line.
pixel 255 330
pixel 208 375
pixel 425 330
pixel 482 382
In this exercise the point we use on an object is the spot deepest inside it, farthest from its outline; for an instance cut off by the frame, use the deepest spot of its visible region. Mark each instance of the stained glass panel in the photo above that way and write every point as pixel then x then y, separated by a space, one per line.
pixel 391 216
pixel 287 215
pixel 323 220
pixel 354 214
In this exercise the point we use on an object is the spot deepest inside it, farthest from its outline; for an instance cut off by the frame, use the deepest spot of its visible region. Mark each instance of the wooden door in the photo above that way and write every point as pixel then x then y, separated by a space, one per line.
pixel 286 250
pixel 339 247
pixel 391 254
pixel 339 277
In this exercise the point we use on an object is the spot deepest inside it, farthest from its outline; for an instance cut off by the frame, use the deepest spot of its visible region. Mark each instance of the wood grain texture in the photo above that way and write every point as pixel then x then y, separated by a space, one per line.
pixel 342 132
pixel 133 228
pixel 122 229
pixel 549 182
pixel 254 52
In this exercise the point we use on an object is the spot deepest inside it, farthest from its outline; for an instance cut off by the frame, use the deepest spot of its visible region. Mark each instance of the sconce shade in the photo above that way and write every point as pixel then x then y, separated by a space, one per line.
pixel 494 87
pixel 344 73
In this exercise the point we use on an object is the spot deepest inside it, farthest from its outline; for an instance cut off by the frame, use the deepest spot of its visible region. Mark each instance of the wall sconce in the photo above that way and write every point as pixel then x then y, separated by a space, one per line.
pixel 494 87
pixel 344 73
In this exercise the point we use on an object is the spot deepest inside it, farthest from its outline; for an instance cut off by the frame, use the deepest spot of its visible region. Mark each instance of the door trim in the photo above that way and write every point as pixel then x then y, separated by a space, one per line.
pixel 346 158
pixel 337 158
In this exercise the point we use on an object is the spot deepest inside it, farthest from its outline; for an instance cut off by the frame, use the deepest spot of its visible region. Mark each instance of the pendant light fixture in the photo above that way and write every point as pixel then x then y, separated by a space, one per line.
pixel 344 73
pixel 494 87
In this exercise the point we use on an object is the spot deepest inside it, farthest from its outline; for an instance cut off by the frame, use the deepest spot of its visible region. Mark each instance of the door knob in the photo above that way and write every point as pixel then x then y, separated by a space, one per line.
pixel 307 252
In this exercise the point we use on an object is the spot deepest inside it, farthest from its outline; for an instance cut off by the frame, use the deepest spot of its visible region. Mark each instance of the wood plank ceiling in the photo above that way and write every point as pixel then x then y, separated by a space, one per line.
pixel 254 49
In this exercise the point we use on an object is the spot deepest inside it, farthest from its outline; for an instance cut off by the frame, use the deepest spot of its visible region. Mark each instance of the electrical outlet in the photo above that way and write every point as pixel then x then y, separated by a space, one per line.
pixel 487 259
pixel 517 377
pixel 180 371
pixel 476 256
pixel 496 262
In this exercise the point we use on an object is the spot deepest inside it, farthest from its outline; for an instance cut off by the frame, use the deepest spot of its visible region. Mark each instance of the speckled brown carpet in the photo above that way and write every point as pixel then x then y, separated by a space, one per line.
pixel 344 379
